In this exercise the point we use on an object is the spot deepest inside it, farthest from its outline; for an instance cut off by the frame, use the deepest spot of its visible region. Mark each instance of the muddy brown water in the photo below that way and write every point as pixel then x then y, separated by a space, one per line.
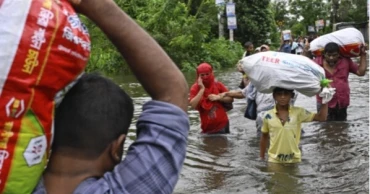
pixel 335 155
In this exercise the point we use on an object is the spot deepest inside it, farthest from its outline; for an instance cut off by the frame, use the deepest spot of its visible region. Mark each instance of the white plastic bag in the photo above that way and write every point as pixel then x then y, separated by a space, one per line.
pixel 349 40
pixel 327 94
pixel 268 70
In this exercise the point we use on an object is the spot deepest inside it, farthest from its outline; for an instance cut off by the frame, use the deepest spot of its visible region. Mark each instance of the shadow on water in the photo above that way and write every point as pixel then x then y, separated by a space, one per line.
pixel 335 155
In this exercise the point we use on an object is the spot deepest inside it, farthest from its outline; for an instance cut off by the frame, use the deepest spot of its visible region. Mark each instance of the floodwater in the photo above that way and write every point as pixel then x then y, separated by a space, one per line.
pixel 335 155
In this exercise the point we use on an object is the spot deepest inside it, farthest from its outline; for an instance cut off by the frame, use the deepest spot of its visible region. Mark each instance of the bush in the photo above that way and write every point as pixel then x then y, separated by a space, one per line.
pixel 178 28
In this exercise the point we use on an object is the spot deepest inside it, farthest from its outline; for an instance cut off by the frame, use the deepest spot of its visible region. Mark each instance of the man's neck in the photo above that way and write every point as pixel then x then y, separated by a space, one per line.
pixel 282 107
pixel 64 173
pixel 326 64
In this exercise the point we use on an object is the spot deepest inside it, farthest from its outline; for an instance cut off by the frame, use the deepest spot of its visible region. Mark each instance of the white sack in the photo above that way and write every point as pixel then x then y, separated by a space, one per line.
pixel 350 41
pixel 268 70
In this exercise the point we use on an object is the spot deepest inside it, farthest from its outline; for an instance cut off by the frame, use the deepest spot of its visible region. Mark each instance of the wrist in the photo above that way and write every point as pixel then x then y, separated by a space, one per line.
pixel 219 97
pixel 98 10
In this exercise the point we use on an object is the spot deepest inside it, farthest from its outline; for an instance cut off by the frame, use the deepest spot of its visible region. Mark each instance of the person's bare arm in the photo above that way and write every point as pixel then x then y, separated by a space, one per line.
pixel 195 101
pixel 363 64
pixel 322 114
pixel 221 98
pixel 263 145
pixel 234 94
pixel 226 99
pixel 159 76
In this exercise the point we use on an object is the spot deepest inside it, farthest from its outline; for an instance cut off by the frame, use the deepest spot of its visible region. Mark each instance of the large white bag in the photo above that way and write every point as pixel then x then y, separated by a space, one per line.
pixel 349 40
pixel 268 70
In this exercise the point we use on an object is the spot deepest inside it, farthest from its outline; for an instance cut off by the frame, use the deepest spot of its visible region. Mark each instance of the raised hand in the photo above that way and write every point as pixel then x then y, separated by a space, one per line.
pixel 200 83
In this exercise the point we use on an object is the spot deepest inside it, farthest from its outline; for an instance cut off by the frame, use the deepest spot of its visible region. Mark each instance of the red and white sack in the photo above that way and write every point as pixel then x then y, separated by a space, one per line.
pixel 44 47
pixel 267 70
pixel 350 41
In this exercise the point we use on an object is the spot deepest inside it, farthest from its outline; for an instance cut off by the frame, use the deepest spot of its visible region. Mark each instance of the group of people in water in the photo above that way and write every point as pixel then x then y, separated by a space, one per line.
pixel 277 117
pixel 92 121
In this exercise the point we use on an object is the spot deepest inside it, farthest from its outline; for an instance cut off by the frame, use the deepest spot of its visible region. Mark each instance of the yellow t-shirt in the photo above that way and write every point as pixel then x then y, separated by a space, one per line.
pixel 284 140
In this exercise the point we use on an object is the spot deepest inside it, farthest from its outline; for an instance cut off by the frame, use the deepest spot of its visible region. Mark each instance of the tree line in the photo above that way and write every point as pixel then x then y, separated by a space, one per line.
pixel 188 29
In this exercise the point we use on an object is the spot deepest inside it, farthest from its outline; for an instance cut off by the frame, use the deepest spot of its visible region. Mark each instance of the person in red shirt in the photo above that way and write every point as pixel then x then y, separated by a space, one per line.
pixel 337 69
pixel 205 97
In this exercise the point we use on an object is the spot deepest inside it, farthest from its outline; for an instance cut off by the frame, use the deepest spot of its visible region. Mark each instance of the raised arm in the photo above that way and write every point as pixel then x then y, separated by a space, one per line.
pixel 322 114
pixel 363 64
pixel 195 101
pixel 162 129
pixel 159 76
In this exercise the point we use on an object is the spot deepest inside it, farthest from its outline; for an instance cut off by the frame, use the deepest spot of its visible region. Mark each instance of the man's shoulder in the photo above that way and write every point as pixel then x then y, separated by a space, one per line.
pixel 345 60
pixel 300 111
pixel 165 114
pixel 318 60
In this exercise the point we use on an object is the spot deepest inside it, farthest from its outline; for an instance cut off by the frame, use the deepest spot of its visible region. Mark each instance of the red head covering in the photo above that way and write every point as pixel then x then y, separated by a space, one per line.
pixel 213 114
pixel 209 84
pixel 209 79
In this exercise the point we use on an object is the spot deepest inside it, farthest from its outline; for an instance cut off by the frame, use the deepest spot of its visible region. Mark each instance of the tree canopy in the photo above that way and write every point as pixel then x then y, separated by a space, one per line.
pixel 188 29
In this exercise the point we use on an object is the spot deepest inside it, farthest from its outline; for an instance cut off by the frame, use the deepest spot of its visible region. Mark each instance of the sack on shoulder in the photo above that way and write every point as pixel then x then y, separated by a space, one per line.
pixel 251 111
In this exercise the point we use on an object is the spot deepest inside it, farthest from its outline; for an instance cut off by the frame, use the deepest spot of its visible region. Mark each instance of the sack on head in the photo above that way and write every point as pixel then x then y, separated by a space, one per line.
pixel 44 48
pixel 267 70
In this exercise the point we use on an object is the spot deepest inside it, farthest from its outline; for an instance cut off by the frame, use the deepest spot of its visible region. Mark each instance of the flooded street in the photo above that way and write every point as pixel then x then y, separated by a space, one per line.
pixel 335 155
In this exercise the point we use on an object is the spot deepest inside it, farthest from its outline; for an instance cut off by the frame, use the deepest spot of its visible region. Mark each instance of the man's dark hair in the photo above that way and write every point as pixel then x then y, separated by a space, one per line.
pixel 248 44
pixel 277 89
pixel 331 47
pixel 95 112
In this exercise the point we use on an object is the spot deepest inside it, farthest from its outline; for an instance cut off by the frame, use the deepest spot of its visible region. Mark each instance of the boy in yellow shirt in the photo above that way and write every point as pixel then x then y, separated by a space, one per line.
pixel 282 125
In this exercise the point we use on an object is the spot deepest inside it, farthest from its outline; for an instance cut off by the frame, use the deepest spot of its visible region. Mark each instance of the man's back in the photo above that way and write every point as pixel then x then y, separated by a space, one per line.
pixel 92 121
pixel 152 162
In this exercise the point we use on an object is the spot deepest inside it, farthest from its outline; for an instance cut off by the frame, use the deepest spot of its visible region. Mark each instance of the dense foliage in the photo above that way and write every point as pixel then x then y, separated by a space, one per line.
pixel 188 29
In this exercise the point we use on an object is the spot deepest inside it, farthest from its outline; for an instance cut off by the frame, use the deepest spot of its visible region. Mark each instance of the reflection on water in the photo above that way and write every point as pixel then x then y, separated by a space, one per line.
pixel 283 178
pixel 335 155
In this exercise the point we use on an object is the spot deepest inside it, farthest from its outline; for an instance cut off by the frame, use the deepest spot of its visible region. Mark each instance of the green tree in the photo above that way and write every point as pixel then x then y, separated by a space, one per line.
pixel 352 11
pixel 280 12
pixel 255 21
pixel 333 10
pixel 181 27
pixel 309 11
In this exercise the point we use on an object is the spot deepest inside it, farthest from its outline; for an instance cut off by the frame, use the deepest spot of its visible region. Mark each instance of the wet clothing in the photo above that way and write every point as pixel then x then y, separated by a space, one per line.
pixel 224 130
pixel 284 139
pixel 264 103
pixel 153 162
pixel 213 114
pixel 341 98
pixel 335 114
